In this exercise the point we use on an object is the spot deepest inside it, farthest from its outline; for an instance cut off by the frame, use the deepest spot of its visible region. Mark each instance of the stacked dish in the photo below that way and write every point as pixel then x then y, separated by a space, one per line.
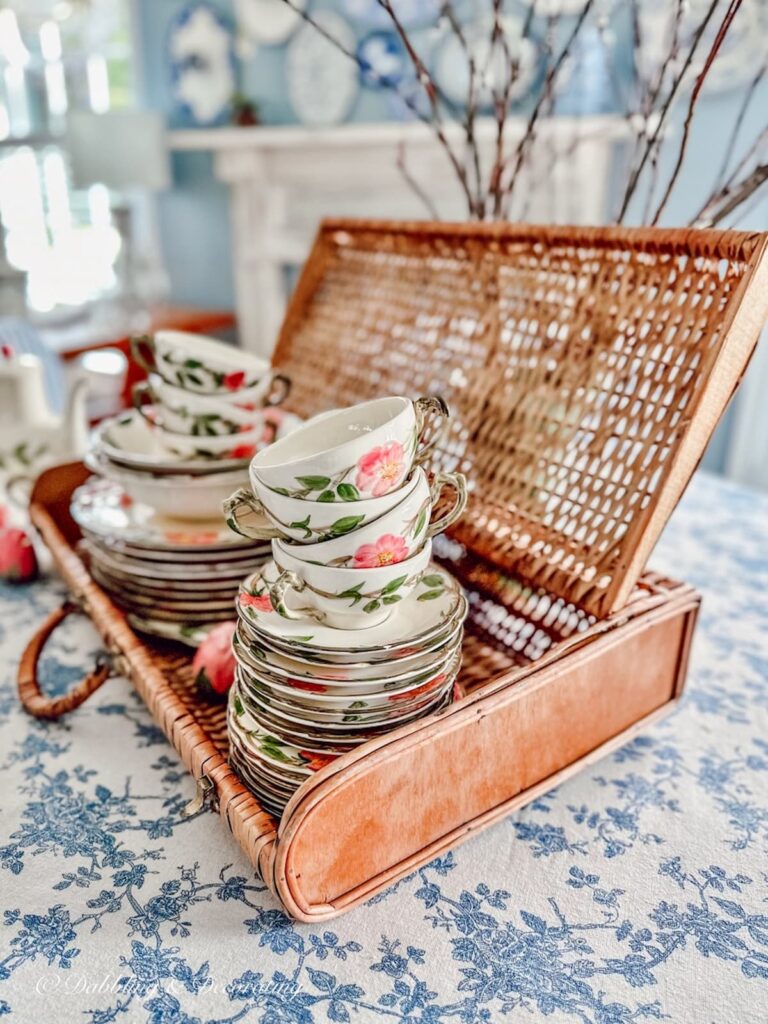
pixel 153 529
pixel 351 630
pixel 174 578
pixel 212 408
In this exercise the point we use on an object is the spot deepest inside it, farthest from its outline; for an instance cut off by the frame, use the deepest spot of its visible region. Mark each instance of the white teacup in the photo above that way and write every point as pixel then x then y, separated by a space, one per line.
pixel 242 445
pixel 301 520
pixel 341 597
pixel 197 363
pixel 186 412
pixel 354 454
pixel 397 534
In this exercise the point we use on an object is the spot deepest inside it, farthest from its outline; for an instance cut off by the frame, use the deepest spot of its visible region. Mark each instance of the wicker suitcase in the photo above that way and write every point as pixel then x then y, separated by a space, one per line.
pixel 586 369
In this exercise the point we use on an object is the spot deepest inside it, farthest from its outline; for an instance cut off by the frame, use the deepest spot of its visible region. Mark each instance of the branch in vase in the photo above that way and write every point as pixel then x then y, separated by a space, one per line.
pixel 502 101
pixel 720 180
pixel 725 25
pixel 521 151
pixel 732 197
pixel 655 136
pixel 413 184
pixel 427 83
pixel 646 93
pixel 392 87
pixel 470 116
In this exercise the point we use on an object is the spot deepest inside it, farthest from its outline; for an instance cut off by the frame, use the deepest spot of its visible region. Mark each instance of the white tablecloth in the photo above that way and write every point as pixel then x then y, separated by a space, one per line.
pixel 637 891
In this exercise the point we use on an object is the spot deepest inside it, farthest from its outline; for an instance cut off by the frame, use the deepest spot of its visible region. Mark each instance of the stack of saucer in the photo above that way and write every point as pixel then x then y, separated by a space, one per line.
pixel 174 578
pixel 351 630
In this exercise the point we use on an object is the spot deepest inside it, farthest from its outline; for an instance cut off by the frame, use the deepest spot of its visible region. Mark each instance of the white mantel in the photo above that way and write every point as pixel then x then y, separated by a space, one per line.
pixel 283 180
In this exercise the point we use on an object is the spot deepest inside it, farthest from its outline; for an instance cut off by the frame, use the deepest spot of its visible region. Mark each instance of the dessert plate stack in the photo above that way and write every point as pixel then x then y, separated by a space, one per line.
pixel 174 578
pixel 350 630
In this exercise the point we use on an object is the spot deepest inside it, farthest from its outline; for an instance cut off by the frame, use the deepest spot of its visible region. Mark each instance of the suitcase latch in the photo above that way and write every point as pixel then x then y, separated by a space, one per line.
pixel 203 792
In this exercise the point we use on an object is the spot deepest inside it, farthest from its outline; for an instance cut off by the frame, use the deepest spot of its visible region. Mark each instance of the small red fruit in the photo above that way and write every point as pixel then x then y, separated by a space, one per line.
pixel 18 562
pixel 214 663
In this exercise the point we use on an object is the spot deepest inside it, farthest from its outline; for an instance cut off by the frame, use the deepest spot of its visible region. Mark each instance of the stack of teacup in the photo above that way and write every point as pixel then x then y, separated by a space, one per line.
pixel 212 407
pixel 207 400
pixel 351 630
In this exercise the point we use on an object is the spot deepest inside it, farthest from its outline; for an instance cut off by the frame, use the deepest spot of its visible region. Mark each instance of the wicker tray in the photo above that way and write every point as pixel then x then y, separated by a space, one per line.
pixel 586 370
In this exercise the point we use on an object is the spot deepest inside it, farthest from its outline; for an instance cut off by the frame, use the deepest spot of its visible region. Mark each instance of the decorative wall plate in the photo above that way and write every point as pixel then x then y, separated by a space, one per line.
pixel 451 67
pixel 267 22
pixel 740 55
pixel 322 81
pixel 202 62
pixel 383 60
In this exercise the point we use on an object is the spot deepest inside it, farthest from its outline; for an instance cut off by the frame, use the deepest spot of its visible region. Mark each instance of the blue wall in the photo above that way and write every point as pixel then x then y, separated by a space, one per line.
pixel 194 216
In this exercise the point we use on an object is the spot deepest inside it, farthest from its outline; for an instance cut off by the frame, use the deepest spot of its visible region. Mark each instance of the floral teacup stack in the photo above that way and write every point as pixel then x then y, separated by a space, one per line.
pixel 207 400
pixel 152 530
pixel 350 630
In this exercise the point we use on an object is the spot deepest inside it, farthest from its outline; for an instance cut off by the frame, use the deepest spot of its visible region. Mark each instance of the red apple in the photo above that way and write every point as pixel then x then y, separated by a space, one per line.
pixel 214 663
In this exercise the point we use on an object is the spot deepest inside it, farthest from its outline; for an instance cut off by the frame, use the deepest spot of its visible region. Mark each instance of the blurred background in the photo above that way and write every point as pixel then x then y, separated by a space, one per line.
pixel 165 163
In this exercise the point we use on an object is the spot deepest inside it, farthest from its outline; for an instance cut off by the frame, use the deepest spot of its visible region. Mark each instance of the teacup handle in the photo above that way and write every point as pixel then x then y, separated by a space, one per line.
pixel 283 585
pixel 139 392
pixel 428 408
pixel 138 343
pixel 233 507
pixel 459 483
pixel 279 389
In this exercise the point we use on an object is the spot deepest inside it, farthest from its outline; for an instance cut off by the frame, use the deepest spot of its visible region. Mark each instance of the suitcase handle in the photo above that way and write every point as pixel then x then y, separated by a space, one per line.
pixel 32 698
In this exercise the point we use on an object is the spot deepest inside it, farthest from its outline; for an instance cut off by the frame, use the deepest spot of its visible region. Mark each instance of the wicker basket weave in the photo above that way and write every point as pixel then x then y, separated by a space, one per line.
pixel 585 370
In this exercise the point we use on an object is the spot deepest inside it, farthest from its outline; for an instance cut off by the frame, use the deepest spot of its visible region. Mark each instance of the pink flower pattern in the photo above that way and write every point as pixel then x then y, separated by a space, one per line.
pixel 380 470
pixel 261 602
pixel 387 550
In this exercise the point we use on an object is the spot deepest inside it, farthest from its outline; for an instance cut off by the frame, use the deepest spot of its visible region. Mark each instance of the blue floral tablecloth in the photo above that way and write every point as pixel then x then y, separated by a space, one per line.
pixel 637 891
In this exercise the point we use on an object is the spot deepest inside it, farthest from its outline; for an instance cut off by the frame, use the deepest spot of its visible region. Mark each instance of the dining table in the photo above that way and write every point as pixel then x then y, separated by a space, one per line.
pixel 637 890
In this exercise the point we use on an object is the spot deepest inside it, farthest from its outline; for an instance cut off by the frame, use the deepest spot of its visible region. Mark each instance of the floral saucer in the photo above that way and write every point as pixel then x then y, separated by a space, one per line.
pixel 104 509
pixel 191 635
pixel 435 601
pixel 155 605
pixel 129 441
pixel 390 679
pixel 342 667
pixel 330 722
pixel 271 750
pixel 233 559
pixel 162 573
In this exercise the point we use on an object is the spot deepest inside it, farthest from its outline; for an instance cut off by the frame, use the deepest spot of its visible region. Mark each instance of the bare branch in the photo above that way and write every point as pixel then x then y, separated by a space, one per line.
pixel 634 177
pixel 730 14
pixel 737 125
pixel 550 78
pixel 413 184
pixel 470 115
pixel 729 199
pixel 502 101
pixel 427 83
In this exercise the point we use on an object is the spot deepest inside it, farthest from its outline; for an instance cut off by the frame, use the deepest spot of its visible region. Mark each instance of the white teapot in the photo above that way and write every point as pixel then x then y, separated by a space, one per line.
pixel 31 435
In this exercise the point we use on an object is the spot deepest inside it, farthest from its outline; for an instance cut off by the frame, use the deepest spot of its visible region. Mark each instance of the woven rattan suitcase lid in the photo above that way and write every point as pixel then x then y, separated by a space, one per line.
pixel 586 369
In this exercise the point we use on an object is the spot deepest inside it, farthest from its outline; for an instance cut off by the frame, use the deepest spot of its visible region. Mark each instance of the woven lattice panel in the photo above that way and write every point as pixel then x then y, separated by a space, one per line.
pixel 585 370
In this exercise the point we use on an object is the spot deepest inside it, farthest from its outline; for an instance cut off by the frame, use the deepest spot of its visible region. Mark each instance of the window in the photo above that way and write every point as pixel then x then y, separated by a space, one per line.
pixel 56 57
